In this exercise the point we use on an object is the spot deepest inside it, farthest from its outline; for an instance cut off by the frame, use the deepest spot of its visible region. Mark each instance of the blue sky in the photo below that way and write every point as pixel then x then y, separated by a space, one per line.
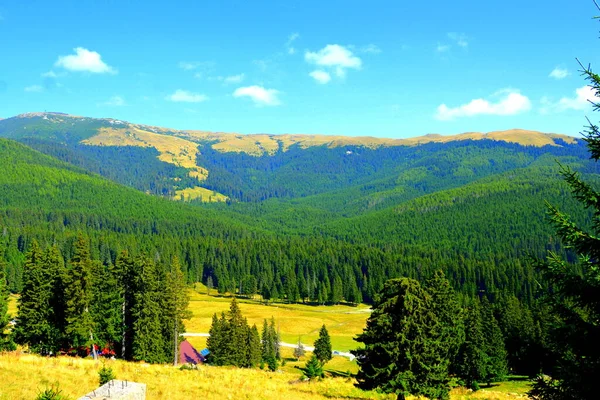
pixel 376 68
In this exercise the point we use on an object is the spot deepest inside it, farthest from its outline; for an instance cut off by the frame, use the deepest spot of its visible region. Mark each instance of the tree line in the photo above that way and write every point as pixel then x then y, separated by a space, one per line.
pixel 133 308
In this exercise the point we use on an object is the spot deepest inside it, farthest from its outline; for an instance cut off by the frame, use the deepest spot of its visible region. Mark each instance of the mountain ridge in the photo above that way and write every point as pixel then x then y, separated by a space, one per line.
pixel 258 144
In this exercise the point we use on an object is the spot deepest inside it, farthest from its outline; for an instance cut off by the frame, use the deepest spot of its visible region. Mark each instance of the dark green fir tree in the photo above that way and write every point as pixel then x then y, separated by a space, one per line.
pixel 323 350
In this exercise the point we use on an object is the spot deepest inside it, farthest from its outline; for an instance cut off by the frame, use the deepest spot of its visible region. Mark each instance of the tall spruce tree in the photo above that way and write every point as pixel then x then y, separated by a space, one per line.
pixel 495 364
pixel 148 341
pixel 34 317
pixel 79 325
pixel 54 267
pixel 575 289
pixel 127 285
pixel 175 307
pixel 472 358
pixel 216 340
pixel 401 344
pixel 323 350
pixel 269 350
pixel 449 315
pixel 253 350
pixel 106 306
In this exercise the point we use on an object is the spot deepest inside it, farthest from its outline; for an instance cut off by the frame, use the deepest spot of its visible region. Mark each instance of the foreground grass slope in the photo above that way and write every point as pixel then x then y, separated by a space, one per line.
pixel 23 376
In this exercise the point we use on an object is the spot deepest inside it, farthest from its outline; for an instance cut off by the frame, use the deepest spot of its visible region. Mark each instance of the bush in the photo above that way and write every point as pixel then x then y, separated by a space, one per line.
pixel 52 393
pixel 105 375
pixel 314 368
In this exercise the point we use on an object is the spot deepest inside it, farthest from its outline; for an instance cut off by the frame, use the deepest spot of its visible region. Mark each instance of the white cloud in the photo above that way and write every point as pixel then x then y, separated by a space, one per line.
pixel 559 73
pixel 183 96
pixel 50 74
pixel 234 78
pixel 34 88
pixel 336 57
pixel 370 49
pixel 115 101
pixel 581 101
pixel 459 38
pixel 510 102
pixel 442 48
pixel 291 39
pixel 321 76
pixel 84 60
pixel 259 95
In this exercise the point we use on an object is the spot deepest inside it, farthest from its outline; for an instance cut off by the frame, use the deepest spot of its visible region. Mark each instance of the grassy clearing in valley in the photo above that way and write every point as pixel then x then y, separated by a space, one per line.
pixel 293 320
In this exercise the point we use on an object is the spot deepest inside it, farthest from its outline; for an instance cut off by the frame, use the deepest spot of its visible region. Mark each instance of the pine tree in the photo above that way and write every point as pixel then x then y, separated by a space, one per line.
pixel 214 343
pixel 313 368
pixel 175 307
pixel 34 319
pixel 54 267
pixel 323 350
pixel 148 343
pixel 575 291
pixel 299 350
pixel 106 307
pixel 401 339
pixel 337 290
pixel 269 352
pixel 127 286
pixel 253 349
pixel 449 316
pixel 494 349
pixel 471 365
pixel 79 325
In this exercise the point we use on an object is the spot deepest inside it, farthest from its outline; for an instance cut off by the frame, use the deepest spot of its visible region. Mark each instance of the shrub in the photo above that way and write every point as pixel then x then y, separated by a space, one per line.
pixel 105 375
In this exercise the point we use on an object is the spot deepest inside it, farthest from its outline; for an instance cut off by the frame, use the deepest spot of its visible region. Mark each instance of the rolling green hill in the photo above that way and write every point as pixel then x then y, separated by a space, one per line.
pixel 299 219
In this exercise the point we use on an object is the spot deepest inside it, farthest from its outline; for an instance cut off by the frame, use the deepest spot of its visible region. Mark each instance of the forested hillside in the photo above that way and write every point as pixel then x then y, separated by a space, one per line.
pixel 324 223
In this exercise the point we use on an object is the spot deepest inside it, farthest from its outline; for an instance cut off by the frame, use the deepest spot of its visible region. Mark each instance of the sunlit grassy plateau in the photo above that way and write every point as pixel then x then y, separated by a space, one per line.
pixel 23 375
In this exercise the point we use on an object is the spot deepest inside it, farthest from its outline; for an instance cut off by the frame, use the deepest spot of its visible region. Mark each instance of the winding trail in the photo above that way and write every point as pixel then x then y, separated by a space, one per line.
pixel 283 344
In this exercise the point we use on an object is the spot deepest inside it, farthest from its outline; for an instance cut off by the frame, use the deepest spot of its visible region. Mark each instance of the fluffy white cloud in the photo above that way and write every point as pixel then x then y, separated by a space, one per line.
pixel 321 76
pixel 510 102
pixel 84 60
pixel 34 88
pixel 259 95
pixel 234 78
pixel 183 96
pixel 581 101
pixel 559 73
pixel 115 101
pixel 336 57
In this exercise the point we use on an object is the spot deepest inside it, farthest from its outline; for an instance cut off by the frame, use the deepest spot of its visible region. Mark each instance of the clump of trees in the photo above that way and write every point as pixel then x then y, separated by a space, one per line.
pixel 416 337
pixel 233 342
pixel 134 307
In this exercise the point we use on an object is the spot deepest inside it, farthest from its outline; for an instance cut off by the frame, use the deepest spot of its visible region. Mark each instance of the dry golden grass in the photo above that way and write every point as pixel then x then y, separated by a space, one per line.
pixel 172 149
pixel 201 193
pixel 23 376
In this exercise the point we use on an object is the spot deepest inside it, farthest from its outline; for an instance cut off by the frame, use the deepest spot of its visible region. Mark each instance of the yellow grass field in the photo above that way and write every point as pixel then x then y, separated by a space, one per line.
pixel 23 376
pixel 293 320
pixel 203 194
